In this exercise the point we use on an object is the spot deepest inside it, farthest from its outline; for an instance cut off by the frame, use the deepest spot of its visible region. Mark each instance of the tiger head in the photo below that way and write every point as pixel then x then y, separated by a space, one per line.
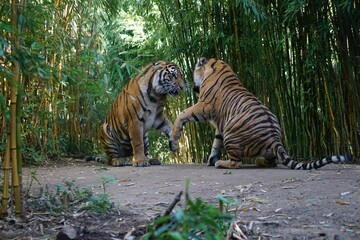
pixel 200 73
pixel 168 78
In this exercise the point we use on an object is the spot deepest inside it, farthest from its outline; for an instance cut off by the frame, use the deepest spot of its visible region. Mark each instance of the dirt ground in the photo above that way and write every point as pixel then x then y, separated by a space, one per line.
pixel 275 203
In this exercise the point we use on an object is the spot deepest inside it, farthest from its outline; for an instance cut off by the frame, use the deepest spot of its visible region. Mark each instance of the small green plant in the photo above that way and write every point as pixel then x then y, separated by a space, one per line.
pixel 198 220
pixel 69 197
pixel 106 180
pixel 99 203
pixel 226 203
pixel 59 201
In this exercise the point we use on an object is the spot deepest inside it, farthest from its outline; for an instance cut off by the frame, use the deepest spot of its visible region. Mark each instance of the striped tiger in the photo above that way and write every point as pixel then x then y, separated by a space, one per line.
pixel 243 125
pixel 139 107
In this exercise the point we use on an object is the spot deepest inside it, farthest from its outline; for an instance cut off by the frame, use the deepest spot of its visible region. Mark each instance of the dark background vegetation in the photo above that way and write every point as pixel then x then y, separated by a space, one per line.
pixel 300 57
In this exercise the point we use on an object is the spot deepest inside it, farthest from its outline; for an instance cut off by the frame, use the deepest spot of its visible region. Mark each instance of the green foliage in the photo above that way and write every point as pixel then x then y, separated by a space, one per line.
pixel 251 7
pixel 198 220
pixel 75 57
pixel 99 203
pixel 67 197
pixel 4 111
pixel 58 201
pixel 159 147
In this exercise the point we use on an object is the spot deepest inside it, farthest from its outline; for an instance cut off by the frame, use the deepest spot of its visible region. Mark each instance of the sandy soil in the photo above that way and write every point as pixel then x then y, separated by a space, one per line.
pixel 275 203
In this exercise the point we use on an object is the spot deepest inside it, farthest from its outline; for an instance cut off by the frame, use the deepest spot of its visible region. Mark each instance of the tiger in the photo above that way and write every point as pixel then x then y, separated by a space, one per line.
pixel 138 108
pixel 243 124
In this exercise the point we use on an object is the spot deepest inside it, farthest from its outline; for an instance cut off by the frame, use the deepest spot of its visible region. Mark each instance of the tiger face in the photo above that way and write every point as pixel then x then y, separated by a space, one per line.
pixel 169 79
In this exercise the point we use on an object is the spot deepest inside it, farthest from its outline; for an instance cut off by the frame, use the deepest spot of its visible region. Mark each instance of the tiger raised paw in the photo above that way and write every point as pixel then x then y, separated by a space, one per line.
pixel 243 125
pixel 139 107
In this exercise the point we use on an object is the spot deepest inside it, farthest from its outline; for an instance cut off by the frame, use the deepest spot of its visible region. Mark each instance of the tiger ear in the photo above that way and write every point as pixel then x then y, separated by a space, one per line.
pixel 157 64
pixel 202 61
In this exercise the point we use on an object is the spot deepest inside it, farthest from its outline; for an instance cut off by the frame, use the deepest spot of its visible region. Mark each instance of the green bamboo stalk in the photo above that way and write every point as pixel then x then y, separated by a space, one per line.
pixel 6 181
pixel 19 143
pixel 13 138
pixel 13 128
pixel 212 29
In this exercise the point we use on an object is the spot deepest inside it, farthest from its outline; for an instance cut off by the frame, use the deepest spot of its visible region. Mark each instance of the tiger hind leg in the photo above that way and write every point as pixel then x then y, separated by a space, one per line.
pixel 266 160
pixel 217 146
pixel 228 164
pixel 265 163
pixel 118 151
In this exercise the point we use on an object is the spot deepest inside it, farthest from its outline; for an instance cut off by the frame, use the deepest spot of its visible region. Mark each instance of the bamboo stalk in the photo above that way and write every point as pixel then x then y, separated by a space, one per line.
pixel 13 99
pixel 237 41
pixel 6 180
pixel 212 30
pixel 19 143
pixel 3 118
pixel 13 136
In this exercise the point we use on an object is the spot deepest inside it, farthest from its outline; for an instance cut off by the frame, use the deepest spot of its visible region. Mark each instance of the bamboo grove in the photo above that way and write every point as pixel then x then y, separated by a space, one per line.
pixel 63 62
pixel 300 57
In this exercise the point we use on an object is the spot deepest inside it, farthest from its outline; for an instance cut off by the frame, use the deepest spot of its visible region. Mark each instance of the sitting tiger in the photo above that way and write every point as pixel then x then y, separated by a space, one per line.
pixel 243 125
pixel 138 108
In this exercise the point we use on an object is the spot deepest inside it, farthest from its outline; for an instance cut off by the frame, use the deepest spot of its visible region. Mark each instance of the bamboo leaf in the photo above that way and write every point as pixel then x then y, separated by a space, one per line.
pixel 36 46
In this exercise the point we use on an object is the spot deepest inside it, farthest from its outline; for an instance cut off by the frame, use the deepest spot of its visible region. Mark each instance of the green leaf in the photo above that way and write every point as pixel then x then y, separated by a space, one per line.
pixel 175 236
pixel 2 54
pixel 36 46
pixel 41 72
pixel 108 179
pixel 6 27
pixel 179 214
pixel 164 228
pixel 2 102
pixel 222 199
pixel 162 220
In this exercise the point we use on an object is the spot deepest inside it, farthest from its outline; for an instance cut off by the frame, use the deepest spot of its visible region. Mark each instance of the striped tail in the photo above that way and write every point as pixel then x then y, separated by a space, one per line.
pixel 288 162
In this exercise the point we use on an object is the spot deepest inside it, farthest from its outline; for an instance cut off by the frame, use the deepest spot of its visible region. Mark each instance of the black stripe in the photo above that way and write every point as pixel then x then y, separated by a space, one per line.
pixel 195 117
pixel 152 99
pixel 147 69
pixel 136 112
pixel 142 95
pixel 213 64
pixel 162 124
pixel 219 136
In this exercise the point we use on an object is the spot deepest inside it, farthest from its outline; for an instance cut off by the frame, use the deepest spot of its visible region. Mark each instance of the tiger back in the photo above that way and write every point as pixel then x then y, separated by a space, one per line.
pixel 243 125
pixel 138 108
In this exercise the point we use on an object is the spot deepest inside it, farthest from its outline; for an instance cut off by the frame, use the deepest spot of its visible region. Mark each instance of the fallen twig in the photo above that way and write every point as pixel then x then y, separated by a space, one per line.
pixel 238 235
pixel 173 204
pixel 169 210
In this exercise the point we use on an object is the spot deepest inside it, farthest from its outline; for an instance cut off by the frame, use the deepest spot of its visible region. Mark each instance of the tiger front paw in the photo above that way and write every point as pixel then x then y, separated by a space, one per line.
pixel 141 163
pixel 154 161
